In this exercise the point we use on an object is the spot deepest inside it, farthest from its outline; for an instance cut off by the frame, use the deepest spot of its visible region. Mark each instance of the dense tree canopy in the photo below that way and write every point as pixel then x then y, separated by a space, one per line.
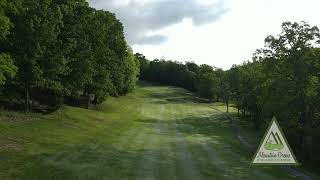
pixel 60 49
pixel 202 79
pixel 7 68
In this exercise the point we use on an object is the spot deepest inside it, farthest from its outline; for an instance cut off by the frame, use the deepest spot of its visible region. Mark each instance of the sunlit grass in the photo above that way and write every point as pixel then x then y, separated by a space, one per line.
pixel 154 132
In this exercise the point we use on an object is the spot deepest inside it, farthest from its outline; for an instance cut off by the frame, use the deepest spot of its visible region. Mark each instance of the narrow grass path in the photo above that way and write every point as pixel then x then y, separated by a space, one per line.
pixel 153 133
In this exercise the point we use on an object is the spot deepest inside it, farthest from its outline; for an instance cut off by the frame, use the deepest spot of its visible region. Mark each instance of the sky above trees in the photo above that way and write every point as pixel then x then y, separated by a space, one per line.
pixel 214 32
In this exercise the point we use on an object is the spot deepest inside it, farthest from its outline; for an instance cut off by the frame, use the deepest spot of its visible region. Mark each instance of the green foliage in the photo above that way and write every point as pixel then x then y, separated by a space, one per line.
pixel 7 69
pixel 283 80
pixel 131 70
pixel 58 53
pixel 143 65
pixel 5 23
pixel 35 45
pixel 204 79
pixel 207 82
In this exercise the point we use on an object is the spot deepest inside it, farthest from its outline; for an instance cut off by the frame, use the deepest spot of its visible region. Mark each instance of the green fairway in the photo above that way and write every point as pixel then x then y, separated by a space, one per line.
pixel 153 133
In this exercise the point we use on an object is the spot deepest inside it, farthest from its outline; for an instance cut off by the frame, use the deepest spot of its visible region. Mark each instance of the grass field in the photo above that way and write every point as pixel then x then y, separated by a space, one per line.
pixel 153 133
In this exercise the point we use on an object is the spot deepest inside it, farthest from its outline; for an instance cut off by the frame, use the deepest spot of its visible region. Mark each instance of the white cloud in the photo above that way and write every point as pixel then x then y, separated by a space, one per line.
pixel 141 16
pixel 234 36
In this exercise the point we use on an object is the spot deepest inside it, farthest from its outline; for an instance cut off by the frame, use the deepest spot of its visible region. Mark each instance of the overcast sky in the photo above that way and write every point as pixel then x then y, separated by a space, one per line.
pixel 215 32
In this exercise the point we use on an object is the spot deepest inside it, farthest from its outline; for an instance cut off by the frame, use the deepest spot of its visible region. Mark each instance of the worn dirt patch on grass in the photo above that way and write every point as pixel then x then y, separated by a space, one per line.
pixel 19 116
pixel 10 145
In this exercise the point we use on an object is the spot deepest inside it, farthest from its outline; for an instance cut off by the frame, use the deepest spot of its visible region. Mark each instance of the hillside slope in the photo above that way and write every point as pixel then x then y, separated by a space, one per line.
pixel 153 133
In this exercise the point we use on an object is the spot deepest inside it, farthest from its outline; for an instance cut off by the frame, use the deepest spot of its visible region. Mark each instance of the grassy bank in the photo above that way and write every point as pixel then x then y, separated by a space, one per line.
pixel 153 133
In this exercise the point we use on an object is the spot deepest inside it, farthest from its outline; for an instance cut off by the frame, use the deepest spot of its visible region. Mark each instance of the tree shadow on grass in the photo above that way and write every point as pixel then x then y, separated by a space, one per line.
pixel 216 127
pixel 149 121
pixel 176 97
pixel 87 161
pixel 207 126
pixel 95 161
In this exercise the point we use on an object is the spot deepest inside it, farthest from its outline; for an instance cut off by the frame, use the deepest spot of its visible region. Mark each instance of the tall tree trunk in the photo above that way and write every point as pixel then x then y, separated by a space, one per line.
pixel 88 101
pixel 256 118
pixel 27 100
pixel 227 102
pixel 95 101
pixel 306 118
pixel 86 94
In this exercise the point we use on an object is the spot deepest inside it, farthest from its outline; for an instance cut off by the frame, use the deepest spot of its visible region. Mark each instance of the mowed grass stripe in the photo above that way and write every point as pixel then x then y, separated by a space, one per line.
pixel 156 132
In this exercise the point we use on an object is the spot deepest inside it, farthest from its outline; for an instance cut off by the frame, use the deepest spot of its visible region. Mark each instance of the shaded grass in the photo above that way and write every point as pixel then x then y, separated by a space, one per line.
pixel 153 133
pixel 43 137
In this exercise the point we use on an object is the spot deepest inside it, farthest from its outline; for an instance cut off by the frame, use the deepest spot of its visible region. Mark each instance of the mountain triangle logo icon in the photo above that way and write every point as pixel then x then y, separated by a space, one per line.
pixel 274 148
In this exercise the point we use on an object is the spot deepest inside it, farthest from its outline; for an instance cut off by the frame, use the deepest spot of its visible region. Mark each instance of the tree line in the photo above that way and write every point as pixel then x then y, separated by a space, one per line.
pixel 282 80
pixel 205 80
pixel 55 51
